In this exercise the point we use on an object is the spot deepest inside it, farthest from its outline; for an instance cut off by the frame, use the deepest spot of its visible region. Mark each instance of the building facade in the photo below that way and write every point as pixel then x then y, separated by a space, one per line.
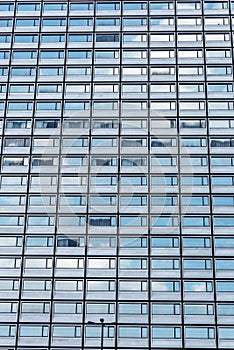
pixel 116 185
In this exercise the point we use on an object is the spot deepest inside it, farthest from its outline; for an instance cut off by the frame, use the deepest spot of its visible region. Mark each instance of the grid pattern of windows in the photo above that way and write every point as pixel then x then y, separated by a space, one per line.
pixel 116 183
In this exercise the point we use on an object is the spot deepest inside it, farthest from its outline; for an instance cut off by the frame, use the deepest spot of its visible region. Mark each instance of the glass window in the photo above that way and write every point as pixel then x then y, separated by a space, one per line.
pixel 165 264
pixel 196 221
pixel 194 180
pixel 104 142
pixel 164 200
pixel 51 54
pixel 7 7
pixel 220 201
pixel 54 22
pixel 66 331
pixel 164 221
pixel 132 264
pixel 81 7
pixel 27 22
pixel 103 22
pixel 133 200
pixel 198 286
pixel 6 23
pixel 102 221
pixel 28 7
pixel 133 221
pixel 133 308
pixel 225 286
pixel 199 309
pixel 108 6
pixel 103 180
pixel 102 285
pixel 52 38
pixel 105 124
pixel 224 242
pixel 165 286
pixel 199 332
pixel 195 201
pixel 67 308
pixel 39 241
pixel 223 221
pixel 63 241
pixel 224 264
pixel 55 7
pixel 102 200
pixel 101 242
pixel 134 6
pixel 12 200
pixel 8 307
pixel 133 242
pixel 196 242
pixel 166 309
pixel 5 38
pixel 68 286
pixel 7 331
pixel 20 39
pixel 105 38
pixel 33 331
pixel 81 22
pixel 164 242
pixel 14 89
pixel 164 181
pixel 226 333
pixel 162 5
pixel 133 180
pixel 100 308
pixel 133 332
pixel 166 333
pixel 34 308
pixel 22 72
pixel 225 309
pixel 197 264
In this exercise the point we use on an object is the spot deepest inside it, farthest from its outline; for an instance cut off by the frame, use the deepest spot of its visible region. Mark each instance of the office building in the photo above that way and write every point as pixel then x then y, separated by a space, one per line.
pixel 116 187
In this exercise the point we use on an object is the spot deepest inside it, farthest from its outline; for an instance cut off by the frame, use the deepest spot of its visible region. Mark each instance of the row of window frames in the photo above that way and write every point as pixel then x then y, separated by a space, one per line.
pixel 168 161
pixel 115 124
pixel 124 221
pixel 83 142
pixel 127 38
pixel 105 21
pixel 114 71
pixel 123 264
pixel 154 70
pixel 114 54
pixel 115 105
pixel 100 181
pixel 169 21
pixel 116 6
pixel 107 285
pixel 115 88
pixel 115 38
pixel 128 53
pixel 105 200
pixel 130 309
pixel 127 332
pixel 111 242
